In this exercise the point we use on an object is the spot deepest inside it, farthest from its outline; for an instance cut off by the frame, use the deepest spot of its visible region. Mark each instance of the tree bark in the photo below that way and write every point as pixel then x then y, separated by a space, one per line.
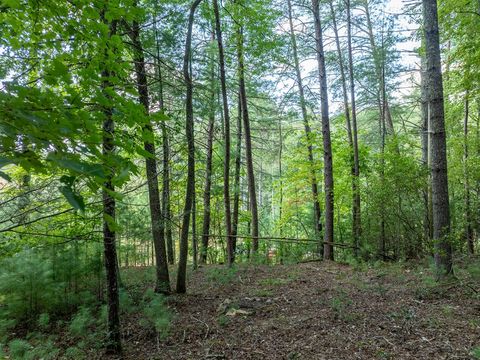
pixel 327 145
pixel 308 133
pixel 236 184
pixel 440 201
pixel 165 161
pixel 189 194
pixel 351 125
pixel 208 167
pixel 466 181
pixel 163 280
pixel 194 232
pixel 109 236
pixel 427 219
pixel 248 142
pixel 226 167
pixel 357 218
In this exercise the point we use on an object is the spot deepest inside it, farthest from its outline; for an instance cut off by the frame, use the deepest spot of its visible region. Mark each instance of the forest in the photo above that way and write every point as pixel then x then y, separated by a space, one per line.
pixel 239 179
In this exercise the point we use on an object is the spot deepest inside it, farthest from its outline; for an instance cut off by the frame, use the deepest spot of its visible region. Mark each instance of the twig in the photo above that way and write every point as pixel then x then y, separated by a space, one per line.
pixel 204 323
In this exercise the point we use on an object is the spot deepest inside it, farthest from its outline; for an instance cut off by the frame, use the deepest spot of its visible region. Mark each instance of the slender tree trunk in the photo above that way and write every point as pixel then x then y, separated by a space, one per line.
pixel 352 135
pixel 427 219
pixel 109 236
pixel 163 281
pixel 477 207
pixel 440 201
pixel 189 131
pixel 281 247
pixel 238 159
pixel 194 232
pixel 248 141
pixel 357 219
pixel 208 167
pixel 165 161
pixel 327 145
pixel 167 213
pixel 226 168
pixel 466 181
pixel 308 132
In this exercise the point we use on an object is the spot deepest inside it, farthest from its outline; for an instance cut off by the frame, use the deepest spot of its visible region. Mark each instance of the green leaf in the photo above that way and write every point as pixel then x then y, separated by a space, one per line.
pixel 5 161
pixel 142 152
pixel 112 224
pixel 73 199
pixel 5 176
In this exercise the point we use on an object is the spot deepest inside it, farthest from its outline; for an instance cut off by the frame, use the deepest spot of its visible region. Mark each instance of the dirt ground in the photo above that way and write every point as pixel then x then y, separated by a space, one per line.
pixel 316 310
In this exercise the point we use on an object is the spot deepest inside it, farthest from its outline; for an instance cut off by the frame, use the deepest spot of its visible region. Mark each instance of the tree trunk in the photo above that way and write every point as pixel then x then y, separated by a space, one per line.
pixel 238 159
pixel 189 194
pixel 166 195
pixel 466 182
pixel 352 132
pixel 226 167
pixel 208 168
pixel 440 201
pixel 248 142
pixel 327 145
pixel 357 219
pixel 163 281
pixel 308 133
pixel 110 253
pixel 165 161
pixel 427 219
pixel 194 232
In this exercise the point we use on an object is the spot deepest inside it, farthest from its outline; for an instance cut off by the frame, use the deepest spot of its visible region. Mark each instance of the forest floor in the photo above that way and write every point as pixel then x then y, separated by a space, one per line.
pixel 316 310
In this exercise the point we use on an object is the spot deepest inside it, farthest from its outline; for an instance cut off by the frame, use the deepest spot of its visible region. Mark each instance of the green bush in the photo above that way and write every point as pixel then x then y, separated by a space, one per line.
pixel 81 322
pixel 221 275
pixel 27 287
pixel 476 352
pixel 74 353
pixel 43 321
pixel 156 313
pixel 19 349
pixel 45 350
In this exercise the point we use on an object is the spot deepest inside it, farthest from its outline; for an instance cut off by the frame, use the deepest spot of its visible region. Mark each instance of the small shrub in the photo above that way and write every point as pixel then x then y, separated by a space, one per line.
pixel 43 321
pixel 223 275
pixel 340 306
pixel 476 352
pixel 27 286
pixel 74 353
pixel 223 320
pixel 19 349
pixel 81 322
pixel 5 326
pixel 45 350
pixel 156 314
pixel 126 302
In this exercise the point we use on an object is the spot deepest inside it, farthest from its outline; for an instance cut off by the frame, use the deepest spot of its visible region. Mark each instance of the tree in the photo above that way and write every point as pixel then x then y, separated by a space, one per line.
pixel 208 166
pixel 327 145
pixel 434 85
pixel 157 222
pixel 226 118
pixel 248 141
pixel 357 219
pixel 109 239
pixel 189 131
pixel 308 132
pixel 351 124
pixel 167 226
